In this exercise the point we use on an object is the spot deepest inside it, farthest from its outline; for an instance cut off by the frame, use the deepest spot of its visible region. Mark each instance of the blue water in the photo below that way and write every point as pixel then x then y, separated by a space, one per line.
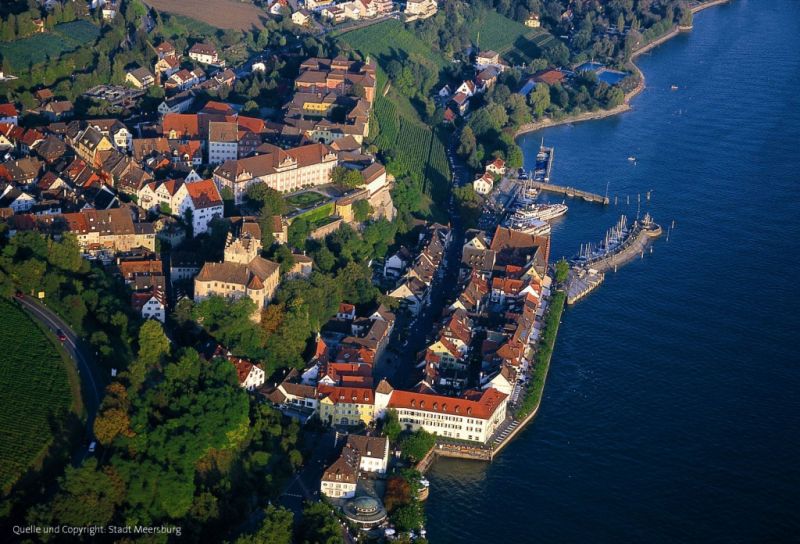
pixel 611 77
pixel 672 409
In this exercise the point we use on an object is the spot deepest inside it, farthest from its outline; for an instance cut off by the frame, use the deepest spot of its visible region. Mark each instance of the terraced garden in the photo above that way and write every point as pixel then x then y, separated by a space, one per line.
pixel 35 392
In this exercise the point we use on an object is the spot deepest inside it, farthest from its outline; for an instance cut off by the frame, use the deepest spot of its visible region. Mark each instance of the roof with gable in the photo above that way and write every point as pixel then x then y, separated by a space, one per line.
pixel 204 194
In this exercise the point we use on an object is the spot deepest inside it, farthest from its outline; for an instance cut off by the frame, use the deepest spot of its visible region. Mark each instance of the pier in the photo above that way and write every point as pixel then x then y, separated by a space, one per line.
pixel 570 192
pixel 581 282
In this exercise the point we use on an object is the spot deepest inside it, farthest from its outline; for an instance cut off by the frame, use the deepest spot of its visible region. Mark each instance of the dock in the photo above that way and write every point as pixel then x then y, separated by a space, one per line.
pixel 571 192
pixel 581 282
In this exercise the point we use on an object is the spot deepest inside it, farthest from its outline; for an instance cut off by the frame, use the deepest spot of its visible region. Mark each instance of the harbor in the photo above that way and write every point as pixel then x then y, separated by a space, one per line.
pixel 620 245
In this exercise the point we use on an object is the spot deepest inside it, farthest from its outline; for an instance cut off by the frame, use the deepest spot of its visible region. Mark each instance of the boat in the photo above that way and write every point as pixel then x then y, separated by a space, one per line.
pixel 543 212
pixel 632 158
pixel 674 87
pixel 524 220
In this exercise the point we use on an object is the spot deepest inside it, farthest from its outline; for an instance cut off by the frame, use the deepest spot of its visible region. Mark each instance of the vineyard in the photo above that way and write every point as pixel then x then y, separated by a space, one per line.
pixel 39 47
pixel 35 389
pixel 517 43
pixel 414 150
pixel 383 42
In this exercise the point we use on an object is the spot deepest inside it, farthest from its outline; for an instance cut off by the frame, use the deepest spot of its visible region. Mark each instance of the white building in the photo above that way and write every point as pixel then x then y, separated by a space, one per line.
pixel 151 305
pixel 223 142
pixel 473 417
pixel 250 376
pixel 205 54
pixel 283 170
pixel 484 184
pixel 373 452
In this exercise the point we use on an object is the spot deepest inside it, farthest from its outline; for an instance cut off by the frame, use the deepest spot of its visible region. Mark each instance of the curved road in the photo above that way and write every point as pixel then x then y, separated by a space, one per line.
pixel 92 382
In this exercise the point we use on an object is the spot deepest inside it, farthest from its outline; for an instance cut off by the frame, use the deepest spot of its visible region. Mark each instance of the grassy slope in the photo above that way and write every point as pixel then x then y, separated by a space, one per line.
pixel 35 386
pixel 513 40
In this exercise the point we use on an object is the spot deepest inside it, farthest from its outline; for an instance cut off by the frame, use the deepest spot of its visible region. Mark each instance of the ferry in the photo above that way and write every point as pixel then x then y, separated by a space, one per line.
pixel 546 212
pixel 525 222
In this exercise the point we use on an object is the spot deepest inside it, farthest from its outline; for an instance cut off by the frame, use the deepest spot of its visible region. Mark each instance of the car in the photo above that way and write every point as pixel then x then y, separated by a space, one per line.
pixel 61 336
pixel 19 294
pixel 92 446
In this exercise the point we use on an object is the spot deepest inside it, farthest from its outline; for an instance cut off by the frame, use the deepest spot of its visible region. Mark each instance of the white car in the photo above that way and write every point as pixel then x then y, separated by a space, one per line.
pixel 92 446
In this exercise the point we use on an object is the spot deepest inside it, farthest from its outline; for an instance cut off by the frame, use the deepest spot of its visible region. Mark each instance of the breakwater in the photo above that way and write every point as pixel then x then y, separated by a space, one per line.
pixel 642 233
pixel 571 192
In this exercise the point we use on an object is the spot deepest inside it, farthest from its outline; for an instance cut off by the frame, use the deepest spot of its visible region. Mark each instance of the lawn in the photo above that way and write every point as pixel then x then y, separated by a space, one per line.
pixel 39 47
pixel 35 391
pixel 318 214
pixel 304 200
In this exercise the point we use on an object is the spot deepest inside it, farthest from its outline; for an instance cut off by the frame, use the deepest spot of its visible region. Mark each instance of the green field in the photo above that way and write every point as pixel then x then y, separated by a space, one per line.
pixel 35 392
pixel 39 47
pixel 389 40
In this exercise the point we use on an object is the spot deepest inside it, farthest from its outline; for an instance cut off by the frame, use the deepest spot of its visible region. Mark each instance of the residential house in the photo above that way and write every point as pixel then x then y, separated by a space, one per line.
pixel 58 110
pixel 497 167
pixel 180 103
pixel 484 59
pixel 9 114
pixel 420 9
pixel 301 17
pixel 141 78
pixel 484 184
pixel 205 53
pixel 346 406
pixel 185 79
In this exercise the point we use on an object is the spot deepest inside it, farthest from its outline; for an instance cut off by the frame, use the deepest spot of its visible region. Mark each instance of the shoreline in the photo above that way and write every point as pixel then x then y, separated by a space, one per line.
pixel 630 95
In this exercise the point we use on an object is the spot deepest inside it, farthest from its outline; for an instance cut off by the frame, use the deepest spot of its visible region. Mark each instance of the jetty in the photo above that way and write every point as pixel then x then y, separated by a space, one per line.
pixel 571 192
pixel 620 246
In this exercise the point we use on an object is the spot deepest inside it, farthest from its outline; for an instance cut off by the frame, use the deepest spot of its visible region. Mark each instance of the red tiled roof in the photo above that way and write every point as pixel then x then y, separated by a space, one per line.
pixel 204 193
pixel 483 407
pixel 8 110
pixel 348 395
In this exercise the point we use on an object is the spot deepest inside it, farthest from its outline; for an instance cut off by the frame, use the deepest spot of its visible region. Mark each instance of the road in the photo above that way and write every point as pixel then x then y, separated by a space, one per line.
pixel 92 381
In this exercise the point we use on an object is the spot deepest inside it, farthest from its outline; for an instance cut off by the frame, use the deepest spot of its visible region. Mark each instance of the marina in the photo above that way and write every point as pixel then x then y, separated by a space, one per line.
pixel 620 245
pixel 571 192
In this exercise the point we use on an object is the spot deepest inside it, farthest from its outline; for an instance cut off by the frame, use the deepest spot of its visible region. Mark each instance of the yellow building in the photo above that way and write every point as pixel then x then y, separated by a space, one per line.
pixel 347 405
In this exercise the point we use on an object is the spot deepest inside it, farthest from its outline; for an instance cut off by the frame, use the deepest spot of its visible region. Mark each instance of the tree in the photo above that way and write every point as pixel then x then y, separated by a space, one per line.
pixel 391 425
pixel 298 232
pixel 87 496
pixel 540 99
pixel 562 271
pixel 319 525
pixel 409 517
pixel 276 528
pixel 346 177
pixel 417 444
pixel 514 156
pixel 466 142
pixel 398 493
pixel 284 256
pixel 153 343
pixel 269 200
pixel 361 210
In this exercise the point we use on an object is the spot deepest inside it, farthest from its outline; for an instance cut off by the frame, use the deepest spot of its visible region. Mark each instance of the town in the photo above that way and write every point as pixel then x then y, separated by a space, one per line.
pixel 285 248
